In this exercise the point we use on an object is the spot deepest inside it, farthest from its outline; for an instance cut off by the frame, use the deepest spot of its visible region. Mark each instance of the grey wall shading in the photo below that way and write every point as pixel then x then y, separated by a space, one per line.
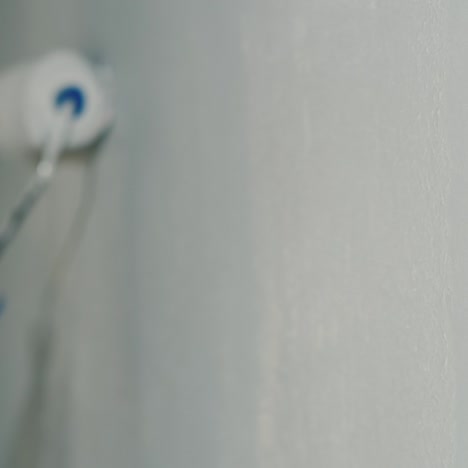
pixel 268 250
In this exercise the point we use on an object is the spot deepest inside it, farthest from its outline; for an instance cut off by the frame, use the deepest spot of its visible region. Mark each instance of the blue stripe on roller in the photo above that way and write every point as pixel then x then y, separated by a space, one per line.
pixel 73 95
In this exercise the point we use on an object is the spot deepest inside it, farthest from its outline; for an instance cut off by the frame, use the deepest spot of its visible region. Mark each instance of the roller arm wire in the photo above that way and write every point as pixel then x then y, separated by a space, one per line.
pixel 45 170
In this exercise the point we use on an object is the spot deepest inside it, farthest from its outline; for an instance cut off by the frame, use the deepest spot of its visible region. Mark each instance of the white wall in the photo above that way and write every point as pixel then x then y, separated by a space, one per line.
pixel 275 248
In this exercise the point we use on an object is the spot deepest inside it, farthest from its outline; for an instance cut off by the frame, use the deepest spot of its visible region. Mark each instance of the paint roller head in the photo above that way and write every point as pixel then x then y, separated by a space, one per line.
pixel 67 78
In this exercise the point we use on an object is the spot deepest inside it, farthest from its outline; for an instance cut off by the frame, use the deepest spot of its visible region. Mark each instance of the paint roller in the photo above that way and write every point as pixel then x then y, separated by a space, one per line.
pixel 59 102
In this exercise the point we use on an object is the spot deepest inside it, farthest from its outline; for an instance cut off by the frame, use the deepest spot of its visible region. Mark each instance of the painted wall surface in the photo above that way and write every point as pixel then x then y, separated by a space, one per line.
pixel 268 265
